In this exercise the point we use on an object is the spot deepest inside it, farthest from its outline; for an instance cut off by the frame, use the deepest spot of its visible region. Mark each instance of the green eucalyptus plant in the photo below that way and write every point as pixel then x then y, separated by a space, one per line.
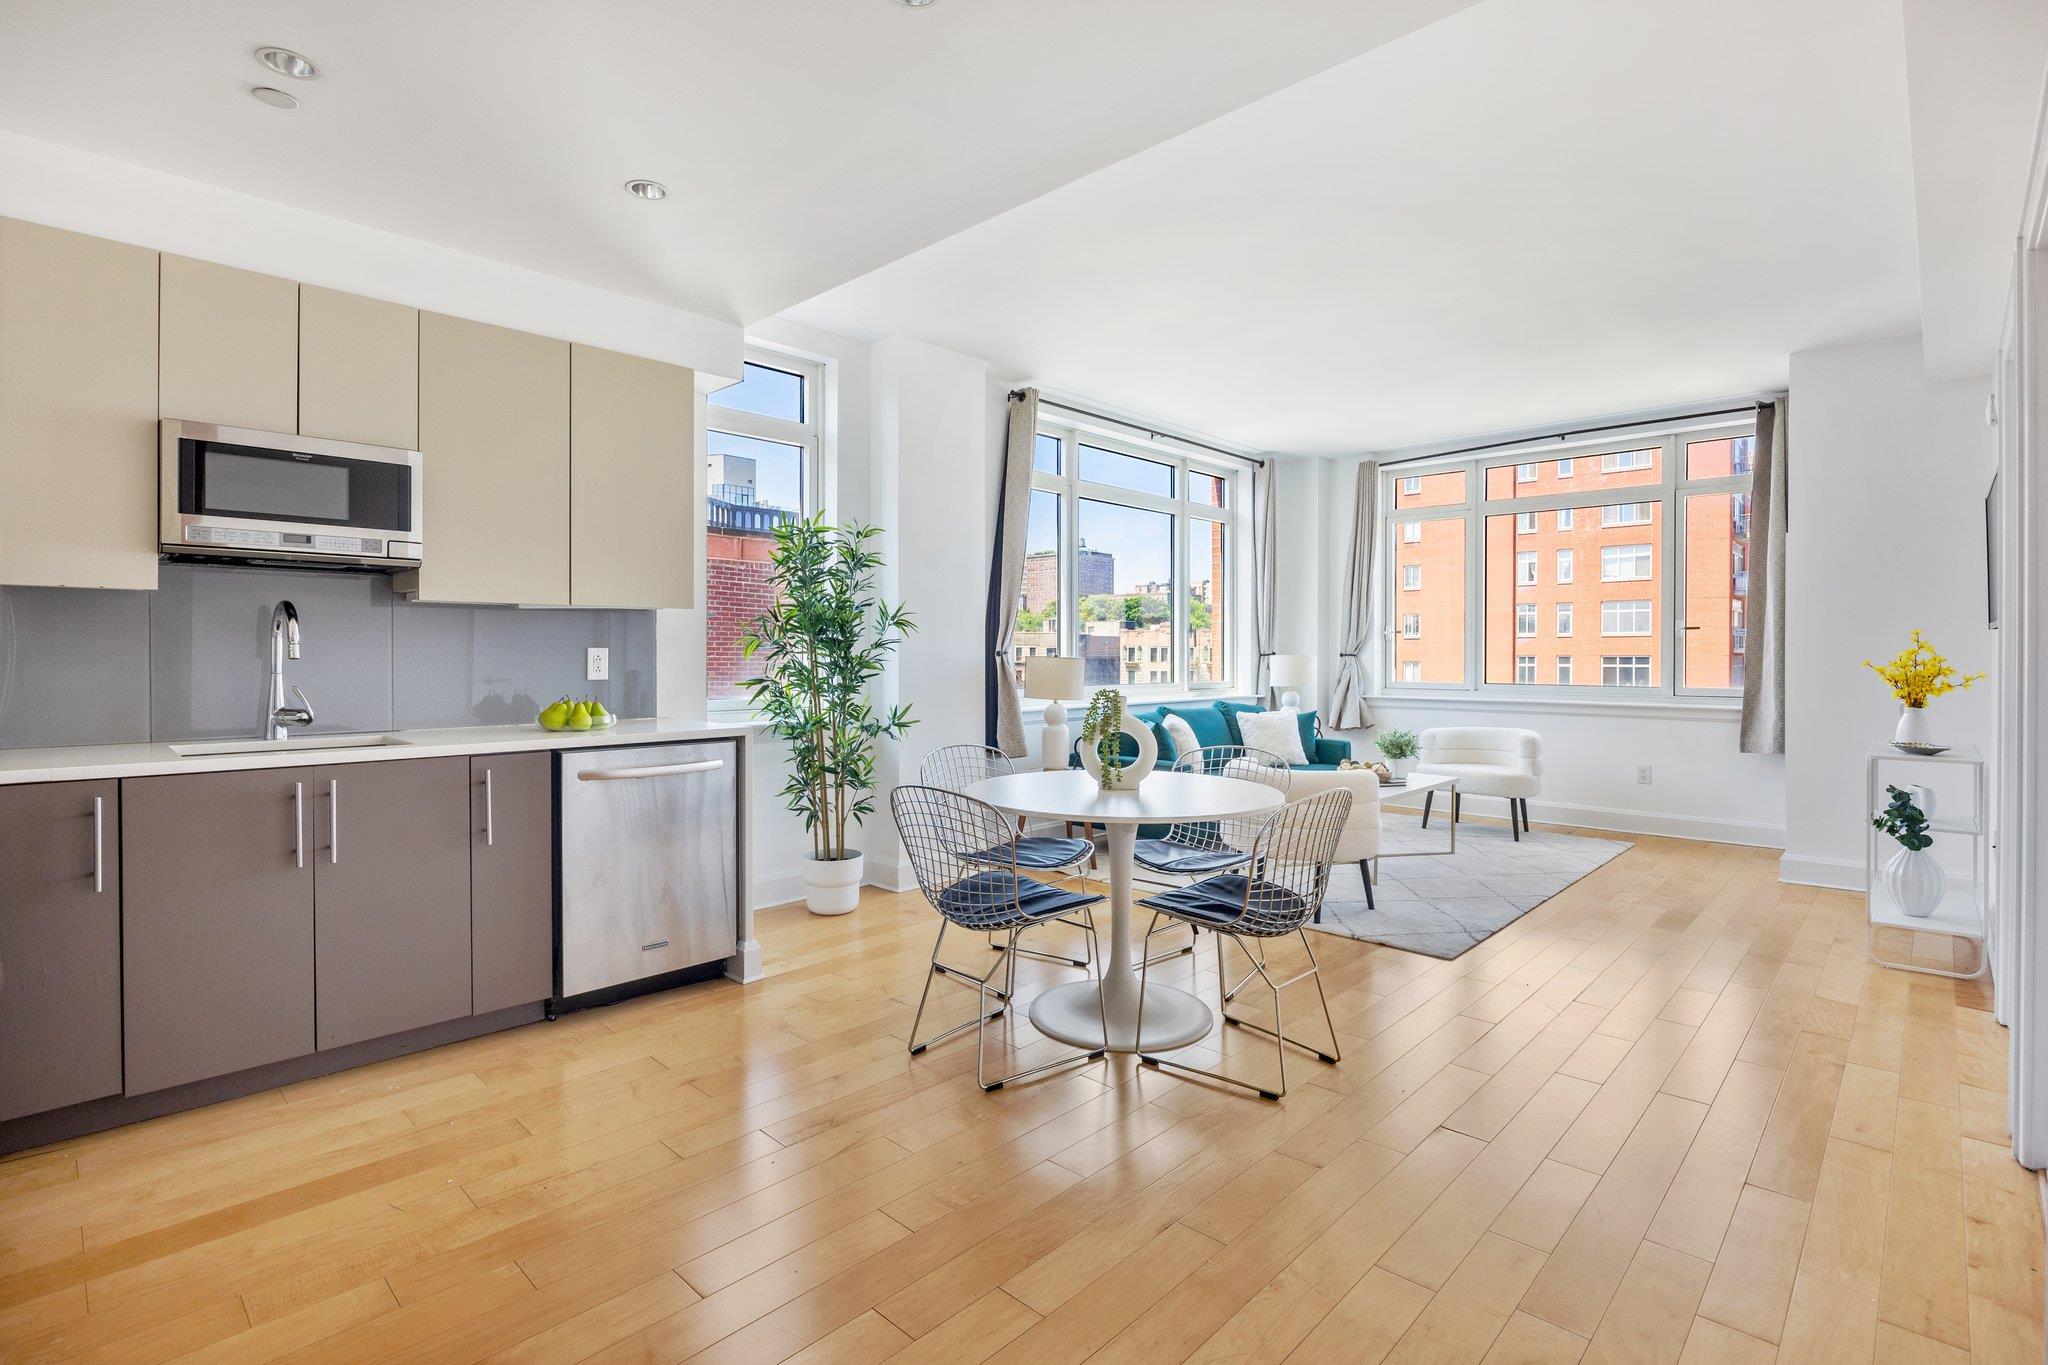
pixel 1903 820
pixel 1398 744
pixel 1103 727
pixel 827 638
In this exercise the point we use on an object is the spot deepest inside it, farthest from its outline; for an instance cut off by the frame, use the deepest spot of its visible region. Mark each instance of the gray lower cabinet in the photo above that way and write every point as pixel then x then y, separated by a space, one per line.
pixel 511 879
pixel 217 923
pixel 391 847
pixel 60 945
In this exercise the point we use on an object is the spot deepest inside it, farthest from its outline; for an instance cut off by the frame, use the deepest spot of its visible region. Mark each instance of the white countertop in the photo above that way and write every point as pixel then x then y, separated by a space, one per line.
pixel 83 761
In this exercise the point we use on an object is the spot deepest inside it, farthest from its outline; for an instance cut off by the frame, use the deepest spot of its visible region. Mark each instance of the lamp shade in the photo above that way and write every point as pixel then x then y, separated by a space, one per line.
pixel 1049 677
pixel 1291 670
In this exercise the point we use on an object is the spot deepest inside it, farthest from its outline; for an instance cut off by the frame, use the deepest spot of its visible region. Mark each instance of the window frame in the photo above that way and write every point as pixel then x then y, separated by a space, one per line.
pixel 1670 532
pixel 808 434
pixel 1184 512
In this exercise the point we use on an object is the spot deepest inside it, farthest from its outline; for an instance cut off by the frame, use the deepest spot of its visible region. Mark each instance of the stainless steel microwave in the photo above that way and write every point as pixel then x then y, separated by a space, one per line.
pixel 261 495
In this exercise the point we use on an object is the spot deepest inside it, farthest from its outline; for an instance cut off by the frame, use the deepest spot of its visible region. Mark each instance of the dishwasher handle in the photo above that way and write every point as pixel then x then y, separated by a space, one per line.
pixel 705 765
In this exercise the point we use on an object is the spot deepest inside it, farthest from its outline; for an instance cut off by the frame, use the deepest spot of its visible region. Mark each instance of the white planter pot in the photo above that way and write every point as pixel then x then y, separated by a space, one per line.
pixel 1133 772
pixel 833 888
pixel 1401 767
pixel 1915 882
pixel 1913 726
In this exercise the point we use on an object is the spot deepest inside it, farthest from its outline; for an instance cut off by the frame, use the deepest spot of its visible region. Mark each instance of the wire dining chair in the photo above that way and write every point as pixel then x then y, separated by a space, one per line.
pixel 1280 886
pixel 954 842
pixel 955 768
pixel 1193 849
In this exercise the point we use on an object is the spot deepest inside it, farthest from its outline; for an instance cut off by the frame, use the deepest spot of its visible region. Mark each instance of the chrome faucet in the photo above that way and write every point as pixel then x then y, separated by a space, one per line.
pixel 284 643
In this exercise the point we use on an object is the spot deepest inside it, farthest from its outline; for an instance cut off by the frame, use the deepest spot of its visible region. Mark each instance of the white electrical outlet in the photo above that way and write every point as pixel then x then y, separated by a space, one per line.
pixel 598 665
pixel 1643 775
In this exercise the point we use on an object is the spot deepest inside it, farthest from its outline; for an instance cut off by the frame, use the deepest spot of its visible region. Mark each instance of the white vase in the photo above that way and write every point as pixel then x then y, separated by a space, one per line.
pixel 1913 726
pixel 1915 882
pixel 1133 772
pixel 832 886
pixel 1401 767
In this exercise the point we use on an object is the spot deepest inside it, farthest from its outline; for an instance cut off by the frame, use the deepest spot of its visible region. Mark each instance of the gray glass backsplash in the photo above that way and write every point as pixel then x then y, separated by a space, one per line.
pixel 190 660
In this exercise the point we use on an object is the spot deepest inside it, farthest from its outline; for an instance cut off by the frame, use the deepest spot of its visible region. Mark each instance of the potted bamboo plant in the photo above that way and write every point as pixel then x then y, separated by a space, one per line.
pixel 826 640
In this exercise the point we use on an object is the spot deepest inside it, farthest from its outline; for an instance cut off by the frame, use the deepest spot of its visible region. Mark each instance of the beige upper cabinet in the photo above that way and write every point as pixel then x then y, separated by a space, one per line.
pixel 635 497
pixel 494 450
pixel 78 373
pixel 359 369
pixel 230 346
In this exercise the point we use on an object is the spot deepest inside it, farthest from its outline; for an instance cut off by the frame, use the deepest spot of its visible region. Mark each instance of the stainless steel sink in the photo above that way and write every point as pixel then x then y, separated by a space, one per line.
pixel 280 746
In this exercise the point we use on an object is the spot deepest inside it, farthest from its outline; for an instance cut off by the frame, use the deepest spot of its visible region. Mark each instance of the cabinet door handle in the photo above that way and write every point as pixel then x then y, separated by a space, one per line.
pixel 333 820
pixel 99 844
pixel 299 823
pixel 490 823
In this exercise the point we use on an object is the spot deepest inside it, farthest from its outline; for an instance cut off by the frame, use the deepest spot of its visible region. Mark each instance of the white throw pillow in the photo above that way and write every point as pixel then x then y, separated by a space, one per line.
pixel 1182 734
pixel 1277 732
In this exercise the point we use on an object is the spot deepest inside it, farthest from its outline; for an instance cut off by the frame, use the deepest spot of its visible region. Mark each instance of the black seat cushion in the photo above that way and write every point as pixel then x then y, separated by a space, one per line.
pixel 998 898
pixel 1221 903
pixel 1164 855
pixel 1040 853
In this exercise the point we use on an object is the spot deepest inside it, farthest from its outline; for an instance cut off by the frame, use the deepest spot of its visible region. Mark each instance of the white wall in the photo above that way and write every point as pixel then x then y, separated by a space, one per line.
pixel 1701 788
pixel 1886 533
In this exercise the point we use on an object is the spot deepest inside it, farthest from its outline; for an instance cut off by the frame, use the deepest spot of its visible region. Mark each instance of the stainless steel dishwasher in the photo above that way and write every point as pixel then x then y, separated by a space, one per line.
pixel 649 864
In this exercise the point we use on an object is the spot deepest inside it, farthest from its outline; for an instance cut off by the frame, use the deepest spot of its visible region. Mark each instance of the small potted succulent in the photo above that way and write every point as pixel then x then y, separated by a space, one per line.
pixel 1912 878
pixel 1399 748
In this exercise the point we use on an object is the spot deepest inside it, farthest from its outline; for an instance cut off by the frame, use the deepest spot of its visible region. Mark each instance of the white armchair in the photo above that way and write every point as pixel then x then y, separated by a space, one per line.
pixel 1360 841
pixel 1487 762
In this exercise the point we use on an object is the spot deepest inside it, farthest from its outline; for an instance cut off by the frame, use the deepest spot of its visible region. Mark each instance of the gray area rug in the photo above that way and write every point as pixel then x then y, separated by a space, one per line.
pixel 1445 906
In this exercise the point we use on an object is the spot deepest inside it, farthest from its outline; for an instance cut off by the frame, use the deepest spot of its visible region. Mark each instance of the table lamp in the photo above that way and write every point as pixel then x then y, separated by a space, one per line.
pixel 1290 671
pixel 1051 678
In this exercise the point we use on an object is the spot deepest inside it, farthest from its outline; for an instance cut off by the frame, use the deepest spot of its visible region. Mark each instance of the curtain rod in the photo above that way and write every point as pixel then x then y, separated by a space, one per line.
pixel 1136 426
pixel 1567 435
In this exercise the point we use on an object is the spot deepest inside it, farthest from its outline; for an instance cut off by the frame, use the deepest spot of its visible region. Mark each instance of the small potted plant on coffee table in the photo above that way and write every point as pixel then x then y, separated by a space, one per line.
pixel 1399 748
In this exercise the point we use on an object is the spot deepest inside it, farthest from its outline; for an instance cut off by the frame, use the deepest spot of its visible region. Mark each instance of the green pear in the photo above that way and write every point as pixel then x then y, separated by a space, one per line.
pixel 579 717
pixel 598 715
pixel 555 716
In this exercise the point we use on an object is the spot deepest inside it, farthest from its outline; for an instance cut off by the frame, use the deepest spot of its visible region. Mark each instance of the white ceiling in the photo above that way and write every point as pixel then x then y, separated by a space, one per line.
pixel 1974 72
pixel 1532 211
pixel 807 141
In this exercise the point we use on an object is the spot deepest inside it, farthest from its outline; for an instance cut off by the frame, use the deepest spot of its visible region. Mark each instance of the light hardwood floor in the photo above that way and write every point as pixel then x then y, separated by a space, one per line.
pixel 1669 1115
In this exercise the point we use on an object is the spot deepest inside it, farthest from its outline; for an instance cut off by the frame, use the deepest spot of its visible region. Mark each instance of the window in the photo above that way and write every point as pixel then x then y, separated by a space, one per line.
pixel 1625 670
pixel 1525 668
pixel 762 456
pixel 1129 563
pixel 1627 514
pixel 1411 625
pixel 1625 618
pixel 1432 490
pixel 1411 533
pixel 1411 487
pixel 1663 522
pixel 1624 563
pixel 1411 670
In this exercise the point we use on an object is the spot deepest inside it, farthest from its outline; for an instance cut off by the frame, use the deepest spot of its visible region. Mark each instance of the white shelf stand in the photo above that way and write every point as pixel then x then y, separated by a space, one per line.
pixel 1961 912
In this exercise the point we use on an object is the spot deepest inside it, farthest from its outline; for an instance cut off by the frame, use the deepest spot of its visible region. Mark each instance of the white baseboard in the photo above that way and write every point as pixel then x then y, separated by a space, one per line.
pixel 1838 874
pixel 1707 829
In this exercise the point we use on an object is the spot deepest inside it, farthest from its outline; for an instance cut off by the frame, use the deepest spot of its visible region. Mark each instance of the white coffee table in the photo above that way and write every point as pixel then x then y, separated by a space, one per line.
pixel 1421 784
pixel 1071 1013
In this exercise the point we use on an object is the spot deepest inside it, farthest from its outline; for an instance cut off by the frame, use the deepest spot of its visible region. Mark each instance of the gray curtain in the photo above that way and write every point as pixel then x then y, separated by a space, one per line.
pixel 1348 710
pixel 1265 560
pixel 1006 574
pixel 1763 672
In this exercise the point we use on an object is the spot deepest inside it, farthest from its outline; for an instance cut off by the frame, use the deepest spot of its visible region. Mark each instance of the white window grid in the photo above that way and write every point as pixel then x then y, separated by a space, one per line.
pixel 1411 625
pixel 1525 568
pixel 1525 620
pixel 1411 578
pixel 1525 669
pixel 1627 563
pixel 1564 618
pixel 1564 670
pixel 1628 616
pixel 1628 514
pixel 1564 566
pixel 1411 533
pixel 1566 518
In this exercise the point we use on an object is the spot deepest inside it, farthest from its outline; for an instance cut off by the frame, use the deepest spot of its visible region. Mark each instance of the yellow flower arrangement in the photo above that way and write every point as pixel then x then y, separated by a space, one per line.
pixel 1918 674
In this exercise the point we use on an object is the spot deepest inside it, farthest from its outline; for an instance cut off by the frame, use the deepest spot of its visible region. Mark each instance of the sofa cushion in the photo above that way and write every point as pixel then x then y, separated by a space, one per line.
pixel 1274 732
pixel 1309 738
pixel 1209 723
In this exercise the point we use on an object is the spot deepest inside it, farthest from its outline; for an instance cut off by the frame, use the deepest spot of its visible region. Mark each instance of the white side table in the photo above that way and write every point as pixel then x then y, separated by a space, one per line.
pixel 1961 912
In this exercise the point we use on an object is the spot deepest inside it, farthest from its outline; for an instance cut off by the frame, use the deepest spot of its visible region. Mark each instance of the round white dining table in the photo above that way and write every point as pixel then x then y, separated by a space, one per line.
pixel 1070 1013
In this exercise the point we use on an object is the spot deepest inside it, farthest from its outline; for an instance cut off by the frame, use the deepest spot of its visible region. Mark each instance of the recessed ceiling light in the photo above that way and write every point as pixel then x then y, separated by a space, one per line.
pixel 647 189
pixel 286 62
pixel 276 99
pixel 915 4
